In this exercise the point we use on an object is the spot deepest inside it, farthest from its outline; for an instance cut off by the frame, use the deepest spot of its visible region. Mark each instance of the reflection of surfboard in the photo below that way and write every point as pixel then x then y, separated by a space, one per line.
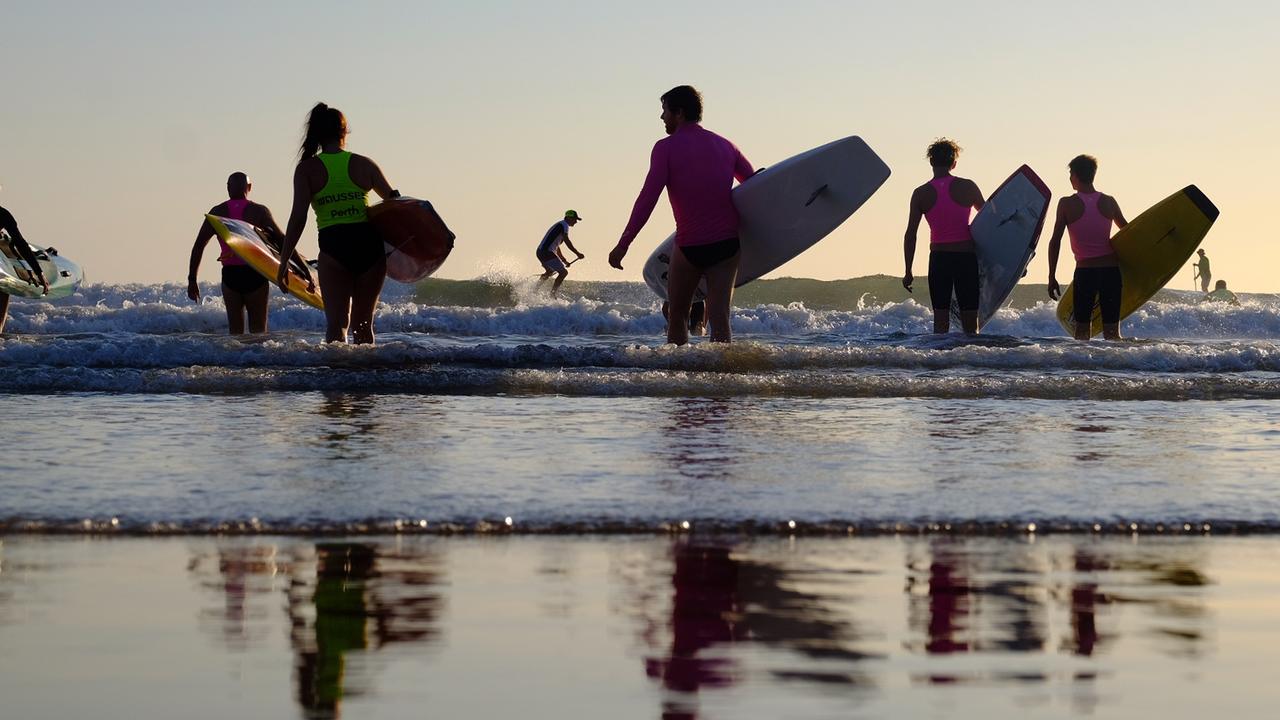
pixel 251 245
pixel 416 238
pixel 787 208
pixel 1152 248
pixel 63 275
pixel 1005 232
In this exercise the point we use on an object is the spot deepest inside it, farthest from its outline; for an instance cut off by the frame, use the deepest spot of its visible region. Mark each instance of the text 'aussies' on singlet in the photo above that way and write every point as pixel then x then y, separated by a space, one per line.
pixel 948 220
pixel 340 201
pixel 1091 232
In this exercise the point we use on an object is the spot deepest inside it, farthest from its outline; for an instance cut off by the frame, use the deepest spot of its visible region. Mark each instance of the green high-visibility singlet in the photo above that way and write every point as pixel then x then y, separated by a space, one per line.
pixel 340 201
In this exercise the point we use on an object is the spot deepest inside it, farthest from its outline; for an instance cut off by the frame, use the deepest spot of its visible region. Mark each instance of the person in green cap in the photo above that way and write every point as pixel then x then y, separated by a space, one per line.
pixel 549 254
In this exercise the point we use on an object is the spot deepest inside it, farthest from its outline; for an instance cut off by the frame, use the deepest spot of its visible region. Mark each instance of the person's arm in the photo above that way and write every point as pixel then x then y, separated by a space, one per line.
pixel 975 196
pixel 297 223
pixel 10 225
pixel 654 182
pixel 1116 215
pixel 203 236
pixel 571 247
pixel 741 166
pixel 909 237
pixel 369 171
pixel 1055 246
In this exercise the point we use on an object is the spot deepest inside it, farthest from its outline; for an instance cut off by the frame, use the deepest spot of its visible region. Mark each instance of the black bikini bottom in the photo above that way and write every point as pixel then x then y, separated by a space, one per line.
pixel 242 279
pixel 356 246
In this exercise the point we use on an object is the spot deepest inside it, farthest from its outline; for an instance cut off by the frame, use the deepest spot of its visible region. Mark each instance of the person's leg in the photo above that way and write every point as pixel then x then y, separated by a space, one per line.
pixel 255 304
pixel 682 281
pixel 718 311
pixel 1109 298
pixel 967 291
pixel 364 301
pixel 560 276
pixel 940 286
pixel 4 309
pixel 1086 291
pixel 698 318
pixel 336 286
pixel 235 310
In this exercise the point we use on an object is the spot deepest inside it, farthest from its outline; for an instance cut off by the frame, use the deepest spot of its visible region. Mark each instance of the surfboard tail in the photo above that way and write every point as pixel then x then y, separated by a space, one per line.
pixel 1202 202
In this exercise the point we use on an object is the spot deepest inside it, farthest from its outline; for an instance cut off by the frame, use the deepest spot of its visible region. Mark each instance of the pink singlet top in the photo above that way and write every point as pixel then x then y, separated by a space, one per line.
pixel 1091 233
pixel 235 211
pixel 948 220
pixel 697 167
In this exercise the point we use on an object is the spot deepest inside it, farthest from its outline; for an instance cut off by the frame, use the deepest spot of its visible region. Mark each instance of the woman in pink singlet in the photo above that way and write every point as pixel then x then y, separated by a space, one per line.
pixel 946 202
pixel 1087 216
pixel 244 290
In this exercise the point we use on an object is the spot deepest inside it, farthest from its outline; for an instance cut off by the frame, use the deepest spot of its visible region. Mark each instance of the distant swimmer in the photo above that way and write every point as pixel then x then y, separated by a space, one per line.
pixel 1202 271
pixel 352 262
pixel 1088 216
pixel 1222 294
pixel 10 226
pixel 697 167
pixel 947 203
pixel 244 290
pixel 549 254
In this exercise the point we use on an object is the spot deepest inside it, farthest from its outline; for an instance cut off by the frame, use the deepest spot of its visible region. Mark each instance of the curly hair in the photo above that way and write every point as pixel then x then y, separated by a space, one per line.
pixel 943 152
pixel 1084 167
pixel 686 99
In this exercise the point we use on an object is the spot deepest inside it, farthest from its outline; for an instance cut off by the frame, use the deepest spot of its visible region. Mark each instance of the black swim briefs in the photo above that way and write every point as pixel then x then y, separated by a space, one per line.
pixel 356 246
pixel 709 255
pixel 242 279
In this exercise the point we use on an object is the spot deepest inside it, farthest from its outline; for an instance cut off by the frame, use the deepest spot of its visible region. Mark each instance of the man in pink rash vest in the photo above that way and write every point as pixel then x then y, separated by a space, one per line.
pixel 244 290
pixel 1087 216
pixel 697 167
pixel 947 203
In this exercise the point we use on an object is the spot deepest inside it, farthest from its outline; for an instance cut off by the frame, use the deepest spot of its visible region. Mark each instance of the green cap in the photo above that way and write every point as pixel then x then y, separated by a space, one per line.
pixel 572 215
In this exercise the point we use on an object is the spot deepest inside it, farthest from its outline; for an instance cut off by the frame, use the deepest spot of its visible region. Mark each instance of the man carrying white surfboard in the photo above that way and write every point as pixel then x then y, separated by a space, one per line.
pixel 947 203
pixel 549 254
pixel 697 167
pixel 10 226
pixel 1088 216
pixel 245 291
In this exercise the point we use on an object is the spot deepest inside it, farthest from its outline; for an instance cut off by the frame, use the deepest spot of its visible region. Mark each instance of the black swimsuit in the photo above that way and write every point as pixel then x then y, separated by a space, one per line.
pixel 242 279
pixel 356 246
pixel 709 255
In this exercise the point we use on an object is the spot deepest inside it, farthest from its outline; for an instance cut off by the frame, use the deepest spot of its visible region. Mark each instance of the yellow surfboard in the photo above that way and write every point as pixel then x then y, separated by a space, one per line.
pixel 251 245
pixel 1152 249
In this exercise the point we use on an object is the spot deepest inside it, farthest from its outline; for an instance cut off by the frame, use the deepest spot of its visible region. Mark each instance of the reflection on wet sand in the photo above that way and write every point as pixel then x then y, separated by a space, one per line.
pixel 997 597
pixel 343 599
pixel 352 430
pixel 721 601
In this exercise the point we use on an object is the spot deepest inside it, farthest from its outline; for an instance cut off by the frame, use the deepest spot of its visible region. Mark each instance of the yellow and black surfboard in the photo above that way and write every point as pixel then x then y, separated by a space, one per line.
pixel 247 241
pixel 1152 249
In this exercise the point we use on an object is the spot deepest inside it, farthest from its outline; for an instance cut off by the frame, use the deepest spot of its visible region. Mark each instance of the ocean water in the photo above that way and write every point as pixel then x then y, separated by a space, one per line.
pixel 513 505
pixel 570 413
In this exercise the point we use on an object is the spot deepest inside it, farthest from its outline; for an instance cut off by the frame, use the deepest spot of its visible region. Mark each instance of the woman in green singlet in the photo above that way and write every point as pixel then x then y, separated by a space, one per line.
pixel 336 183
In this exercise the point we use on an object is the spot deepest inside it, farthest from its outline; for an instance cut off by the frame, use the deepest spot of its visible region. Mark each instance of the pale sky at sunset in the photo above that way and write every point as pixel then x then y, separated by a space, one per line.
pixel 122 120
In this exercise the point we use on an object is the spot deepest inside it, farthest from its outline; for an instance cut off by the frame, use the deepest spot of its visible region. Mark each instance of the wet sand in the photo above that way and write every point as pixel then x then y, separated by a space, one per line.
pixel 638 627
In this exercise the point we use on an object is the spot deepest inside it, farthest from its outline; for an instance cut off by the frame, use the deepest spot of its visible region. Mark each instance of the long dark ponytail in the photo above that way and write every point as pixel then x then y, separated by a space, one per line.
pixel 324 124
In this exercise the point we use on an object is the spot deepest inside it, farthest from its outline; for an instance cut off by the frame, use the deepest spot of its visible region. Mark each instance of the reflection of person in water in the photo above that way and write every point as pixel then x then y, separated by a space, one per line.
pixel 720 600
pixel 361 600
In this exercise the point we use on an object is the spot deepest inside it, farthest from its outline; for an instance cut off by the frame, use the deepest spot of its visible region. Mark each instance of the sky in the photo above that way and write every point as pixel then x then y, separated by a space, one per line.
pixel 122 120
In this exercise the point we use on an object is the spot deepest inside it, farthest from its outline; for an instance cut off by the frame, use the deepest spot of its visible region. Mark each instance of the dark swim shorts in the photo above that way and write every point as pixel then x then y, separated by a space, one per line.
pixel 1101 285
pixel 956 271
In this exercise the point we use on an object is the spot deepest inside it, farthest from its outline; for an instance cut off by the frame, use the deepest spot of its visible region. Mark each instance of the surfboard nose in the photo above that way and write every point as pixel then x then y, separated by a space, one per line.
pixel 1202 202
